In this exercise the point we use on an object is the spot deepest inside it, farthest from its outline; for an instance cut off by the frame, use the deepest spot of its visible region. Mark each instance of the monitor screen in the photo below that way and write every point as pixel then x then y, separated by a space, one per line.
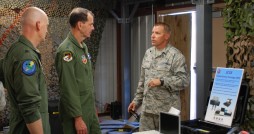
pixel 169 123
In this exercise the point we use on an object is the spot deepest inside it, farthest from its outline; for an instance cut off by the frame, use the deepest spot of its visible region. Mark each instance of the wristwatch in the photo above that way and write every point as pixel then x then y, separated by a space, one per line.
pixel 162 81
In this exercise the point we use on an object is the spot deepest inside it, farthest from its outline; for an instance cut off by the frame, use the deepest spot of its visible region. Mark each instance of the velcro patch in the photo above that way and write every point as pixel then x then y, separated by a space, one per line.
pixel 29 67
pixel 67 56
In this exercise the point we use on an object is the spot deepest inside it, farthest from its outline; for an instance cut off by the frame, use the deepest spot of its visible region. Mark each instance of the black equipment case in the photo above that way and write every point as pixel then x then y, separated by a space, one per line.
pixel 54 119
pixel 199 126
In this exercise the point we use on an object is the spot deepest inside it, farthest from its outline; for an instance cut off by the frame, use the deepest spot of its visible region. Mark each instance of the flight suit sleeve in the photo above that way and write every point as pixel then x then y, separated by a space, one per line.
pixel 180 77
pixel 26 89
pixel 70 96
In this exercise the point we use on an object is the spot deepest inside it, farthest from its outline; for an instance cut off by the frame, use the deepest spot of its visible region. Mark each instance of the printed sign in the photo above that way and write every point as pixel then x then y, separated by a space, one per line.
pixel 224 95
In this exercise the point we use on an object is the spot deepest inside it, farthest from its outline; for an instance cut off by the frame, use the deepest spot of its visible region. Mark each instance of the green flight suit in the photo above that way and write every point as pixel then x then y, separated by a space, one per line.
pixel 26 86
pixel 74 69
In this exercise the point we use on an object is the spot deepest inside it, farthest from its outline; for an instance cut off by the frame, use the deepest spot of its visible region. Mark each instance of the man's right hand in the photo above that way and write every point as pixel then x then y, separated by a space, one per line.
pixel 80 125
pixel 132 107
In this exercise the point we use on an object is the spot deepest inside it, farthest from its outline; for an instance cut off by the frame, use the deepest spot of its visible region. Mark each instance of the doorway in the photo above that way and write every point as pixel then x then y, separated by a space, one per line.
pixel 182 37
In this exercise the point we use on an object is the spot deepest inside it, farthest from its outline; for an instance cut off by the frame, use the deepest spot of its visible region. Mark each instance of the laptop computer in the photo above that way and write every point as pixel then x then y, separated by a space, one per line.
pixel 169 123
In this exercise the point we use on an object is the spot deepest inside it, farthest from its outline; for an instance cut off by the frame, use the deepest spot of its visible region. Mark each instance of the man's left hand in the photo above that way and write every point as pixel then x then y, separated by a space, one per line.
pixel 154 83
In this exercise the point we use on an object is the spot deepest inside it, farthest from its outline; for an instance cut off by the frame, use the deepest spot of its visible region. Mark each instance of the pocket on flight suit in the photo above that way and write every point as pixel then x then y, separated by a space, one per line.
pixel 163 66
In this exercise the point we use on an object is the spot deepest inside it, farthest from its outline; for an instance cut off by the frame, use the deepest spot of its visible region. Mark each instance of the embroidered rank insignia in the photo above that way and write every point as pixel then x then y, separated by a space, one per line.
pixel 67 56
pixel 28 67
pixel 84 60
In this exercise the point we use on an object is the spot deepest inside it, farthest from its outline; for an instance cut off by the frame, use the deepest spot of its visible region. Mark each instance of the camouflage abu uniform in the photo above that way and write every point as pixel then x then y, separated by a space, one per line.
pixel 2 97
pixel 168 64
pixel 2 93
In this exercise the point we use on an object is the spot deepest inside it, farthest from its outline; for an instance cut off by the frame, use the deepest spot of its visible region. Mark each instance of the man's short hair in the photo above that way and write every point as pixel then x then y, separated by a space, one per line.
pixel 78 14
pixel 164 25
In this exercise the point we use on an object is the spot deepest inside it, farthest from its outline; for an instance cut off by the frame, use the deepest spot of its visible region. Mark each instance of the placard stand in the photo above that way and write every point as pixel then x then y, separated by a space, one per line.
pixel 226 106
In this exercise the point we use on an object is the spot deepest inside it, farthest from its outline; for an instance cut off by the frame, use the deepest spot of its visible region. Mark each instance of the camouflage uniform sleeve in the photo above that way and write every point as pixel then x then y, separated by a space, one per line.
pixel 140 89
pixel 2 97
pixel 180 78
pixel 2 93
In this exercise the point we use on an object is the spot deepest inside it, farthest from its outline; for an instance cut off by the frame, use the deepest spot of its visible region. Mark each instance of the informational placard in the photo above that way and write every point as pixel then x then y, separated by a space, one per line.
pixel 224 95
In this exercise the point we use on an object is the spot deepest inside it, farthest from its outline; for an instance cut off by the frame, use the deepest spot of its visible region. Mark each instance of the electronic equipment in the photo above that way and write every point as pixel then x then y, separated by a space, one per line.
pixel 200 126
pixel 169 123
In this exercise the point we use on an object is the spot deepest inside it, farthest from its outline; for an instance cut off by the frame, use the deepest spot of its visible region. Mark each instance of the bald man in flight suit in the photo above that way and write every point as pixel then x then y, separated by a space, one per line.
pixel 24 77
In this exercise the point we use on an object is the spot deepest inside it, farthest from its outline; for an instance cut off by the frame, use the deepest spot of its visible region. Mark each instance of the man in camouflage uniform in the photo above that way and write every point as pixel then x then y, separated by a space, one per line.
pixel 2 97
pixel 163 75
pixel 2 93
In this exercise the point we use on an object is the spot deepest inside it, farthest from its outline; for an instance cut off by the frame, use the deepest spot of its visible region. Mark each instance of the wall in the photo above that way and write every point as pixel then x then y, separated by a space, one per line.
pixel 141 29
pixel 105 74
pixel 219 48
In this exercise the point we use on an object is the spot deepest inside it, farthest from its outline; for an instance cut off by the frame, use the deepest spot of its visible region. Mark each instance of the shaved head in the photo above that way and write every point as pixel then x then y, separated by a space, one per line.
pixel 32 15
pixel 34 23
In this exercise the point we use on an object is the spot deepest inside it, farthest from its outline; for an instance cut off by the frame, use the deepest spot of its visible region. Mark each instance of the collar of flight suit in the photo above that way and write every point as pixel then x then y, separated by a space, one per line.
pixel 28 43
pixel 74 41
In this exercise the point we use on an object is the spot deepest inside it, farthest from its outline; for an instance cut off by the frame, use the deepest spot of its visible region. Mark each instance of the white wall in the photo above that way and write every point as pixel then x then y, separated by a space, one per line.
pixel 141 29
pixel 105 77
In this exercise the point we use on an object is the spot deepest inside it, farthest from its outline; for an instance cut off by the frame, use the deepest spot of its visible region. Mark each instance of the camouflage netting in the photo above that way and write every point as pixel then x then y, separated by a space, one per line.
pixel 241 55
pixel 57 10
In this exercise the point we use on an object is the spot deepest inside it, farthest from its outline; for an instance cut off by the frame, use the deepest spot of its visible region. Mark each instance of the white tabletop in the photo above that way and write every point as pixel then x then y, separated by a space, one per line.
pixel 148 132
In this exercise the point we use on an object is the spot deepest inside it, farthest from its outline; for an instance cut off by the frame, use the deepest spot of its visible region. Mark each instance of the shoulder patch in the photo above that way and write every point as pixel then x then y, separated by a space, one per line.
pixel 67 56
pixel 28 67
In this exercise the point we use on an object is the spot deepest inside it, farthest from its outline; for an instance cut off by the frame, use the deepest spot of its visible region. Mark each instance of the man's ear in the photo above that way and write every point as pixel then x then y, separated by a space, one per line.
pixel 38 25
pixel 167 36
pixel 79 25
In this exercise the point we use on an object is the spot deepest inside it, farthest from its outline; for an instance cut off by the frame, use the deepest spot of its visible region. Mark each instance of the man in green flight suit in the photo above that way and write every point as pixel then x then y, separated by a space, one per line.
pixel 24 78
pixel 73 64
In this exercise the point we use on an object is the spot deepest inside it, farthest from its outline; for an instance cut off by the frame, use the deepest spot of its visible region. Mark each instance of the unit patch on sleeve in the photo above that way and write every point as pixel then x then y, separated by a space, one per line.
pixel 28 67
pixel 67 56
